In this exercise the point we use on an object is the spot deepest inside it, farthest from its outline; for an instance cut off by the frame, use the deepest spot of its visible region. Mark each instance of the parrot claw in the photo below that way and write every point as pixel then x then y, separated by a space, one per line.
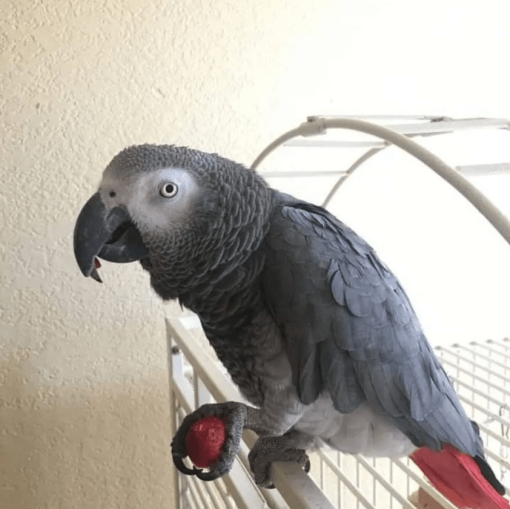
pixel 208 476
pixel 179 463
pixel 234 416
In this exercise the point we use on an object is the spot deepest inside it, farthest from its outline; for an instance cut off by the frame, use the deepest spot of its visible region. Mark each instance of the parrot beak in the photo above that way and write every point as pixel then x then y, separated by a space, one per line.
pixel 107 234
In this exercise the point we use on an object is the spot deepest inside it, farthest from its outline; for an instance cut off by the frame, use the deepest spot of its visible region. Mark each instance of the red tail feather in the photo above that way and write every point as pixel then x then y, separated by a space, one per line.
pixel 457 476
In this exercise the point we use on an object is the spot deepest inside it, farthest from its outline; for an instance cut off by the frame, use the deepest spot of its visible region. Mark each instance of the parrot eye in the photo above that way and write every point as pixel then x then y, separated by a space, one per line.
pixel 168 190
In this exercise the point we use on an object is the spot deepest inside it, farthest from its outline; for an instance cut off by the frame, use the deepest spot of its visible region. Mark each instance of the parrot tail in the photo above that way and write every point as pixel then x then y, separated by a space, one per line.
pixel 467 482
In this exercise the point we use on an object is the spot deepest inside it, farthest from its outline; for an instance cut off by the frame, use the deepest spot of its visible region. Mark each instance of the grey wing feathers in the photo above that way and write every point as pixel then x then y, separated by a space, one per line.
pixel 350 329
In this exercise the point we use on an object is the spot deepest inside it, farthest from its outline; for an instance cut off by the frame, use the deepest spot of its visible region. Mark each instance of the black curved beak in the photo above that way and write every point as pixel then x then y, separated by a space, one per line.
pixel 107 234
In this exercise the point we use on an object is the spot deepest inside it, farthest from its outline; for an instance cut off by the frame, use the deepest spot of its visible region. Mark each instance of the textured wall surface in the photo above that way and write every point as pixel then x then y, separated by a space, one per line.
pixel 84 407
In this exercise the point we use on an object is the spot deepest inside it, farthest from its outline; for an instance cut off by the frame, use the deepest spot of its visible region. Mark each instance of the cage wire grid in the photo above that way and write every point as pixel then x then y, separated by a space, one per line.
pixel 479 371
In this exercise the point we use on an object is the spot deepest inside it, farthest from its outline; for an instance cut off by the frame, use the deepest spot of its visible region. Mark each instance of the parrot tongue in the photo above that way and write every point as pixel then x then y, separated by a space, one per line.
pixel 93 273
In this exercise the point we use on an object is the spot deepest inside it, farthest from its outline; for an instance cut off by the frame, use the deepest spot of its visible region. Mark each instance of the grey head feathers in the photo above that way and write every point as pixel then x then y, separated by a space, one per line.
pixel 201 216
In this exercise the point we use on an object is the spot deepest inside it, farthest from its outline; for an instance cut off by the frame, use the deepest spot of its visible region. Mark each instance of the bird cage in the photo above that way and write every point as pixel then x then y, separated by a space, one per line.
pixel 479 371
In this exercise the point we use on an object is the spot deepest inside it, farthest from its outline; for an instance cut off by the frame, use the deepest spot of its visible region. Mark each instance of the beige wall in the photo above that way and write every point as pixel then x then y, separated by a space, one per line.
pixel 84 410
pixel 84 407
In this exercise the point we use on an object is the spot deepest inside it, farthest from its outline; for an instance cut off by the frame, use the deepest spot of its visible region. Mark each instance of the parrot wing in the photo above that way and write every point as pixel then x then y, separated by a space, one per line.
pixel 350 329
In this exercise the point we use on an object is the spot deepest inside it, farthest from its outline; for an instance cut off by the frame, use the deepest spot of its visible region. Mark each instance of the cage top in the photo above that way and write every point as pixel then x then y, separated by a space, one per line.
pixel 383 132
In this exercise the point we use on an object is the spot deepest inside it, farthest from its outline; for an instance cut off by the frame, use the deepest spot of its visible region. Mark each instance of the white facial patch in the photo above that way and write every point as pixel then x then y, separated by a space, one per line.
pixel 150 209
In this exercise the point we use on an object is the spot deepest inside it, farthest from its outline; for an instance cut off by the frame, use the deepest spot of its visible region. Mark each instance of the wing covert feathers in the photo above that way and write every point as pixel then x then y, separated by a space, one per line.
pixel 350 329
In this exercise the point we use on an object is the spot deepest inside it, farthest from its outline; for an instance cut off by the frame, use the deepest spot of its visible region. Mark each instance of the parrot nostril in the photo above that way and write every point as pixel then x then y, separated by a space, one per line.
pixel 113 194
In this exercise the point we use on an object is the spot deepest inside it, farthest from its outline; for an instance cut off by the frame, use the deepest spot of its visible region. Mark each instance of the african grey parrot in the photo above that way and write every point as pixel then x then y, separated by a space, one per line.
pixel 314 329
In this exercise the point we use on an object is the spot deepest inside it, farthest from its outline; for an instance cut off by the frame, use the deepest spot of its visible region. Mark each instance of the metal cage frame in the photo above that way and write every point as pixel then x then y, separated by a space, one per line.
pixel 401 136
pixel 479 371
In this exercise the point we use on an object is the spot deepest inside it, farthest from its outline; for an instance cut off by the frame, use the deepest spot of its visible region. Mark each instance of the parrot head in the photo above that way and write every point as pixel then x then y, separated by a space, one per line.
pixel 178 211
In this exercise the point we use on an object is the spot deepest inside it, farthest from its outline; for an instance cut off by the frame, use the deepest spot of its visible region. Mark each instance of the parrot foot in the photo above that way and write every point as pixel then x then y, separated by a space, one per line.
pixel 288 447
pixel 234 416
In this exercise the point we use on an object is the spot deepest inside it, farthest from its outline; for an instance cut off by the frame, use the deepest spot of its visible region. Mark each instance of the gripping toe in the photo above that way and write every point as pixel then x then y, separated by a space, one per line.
pixel 267 450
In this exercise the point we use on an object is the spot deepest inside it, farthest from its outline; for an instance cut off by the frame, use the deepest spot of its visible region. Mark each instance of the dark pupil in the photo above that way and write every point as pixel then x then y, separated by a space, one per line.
pixel 169 189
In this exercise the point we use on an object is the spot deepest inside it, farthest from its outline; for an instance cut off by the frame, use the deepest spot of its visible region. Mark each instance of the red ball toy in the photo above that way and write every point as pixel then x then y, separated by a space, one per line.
pixel 205 440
